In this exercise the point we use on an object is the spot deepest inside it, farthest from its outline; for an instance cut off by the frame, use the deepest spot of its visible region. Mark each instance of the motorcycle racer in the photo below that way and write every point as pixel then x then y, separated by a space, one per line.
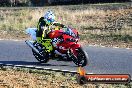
pixel 60 44
pixel 44 27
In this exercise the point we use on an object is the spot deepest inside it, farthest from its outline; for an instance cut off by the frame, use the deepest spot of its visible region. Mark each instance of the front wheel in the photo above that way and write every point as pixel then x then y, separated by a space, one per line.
pixel 82 57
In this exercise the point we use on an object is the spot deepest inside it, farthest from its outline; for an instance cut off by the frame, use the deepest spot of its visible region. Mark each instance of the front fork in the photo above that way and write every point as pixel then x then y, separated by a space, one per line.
pixel 74 49
pixel 71 55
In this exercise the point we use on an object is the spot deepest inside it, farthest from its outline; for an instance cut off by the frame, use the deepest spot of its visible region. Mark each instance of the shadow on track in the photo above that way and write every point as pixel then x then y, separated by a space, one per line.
pixel 30 63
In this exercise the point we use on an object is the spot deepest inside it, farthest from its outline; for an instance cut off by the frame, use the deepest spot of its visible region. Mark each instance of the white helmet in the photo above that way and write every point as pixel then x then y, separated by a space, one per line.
pixel 49 17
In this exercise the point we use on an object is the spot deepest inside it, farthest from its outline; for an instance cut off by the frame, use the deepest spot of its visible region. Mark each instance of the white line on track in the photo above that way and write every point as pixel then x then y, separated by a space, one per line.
pixel 109 47
pixel 11 40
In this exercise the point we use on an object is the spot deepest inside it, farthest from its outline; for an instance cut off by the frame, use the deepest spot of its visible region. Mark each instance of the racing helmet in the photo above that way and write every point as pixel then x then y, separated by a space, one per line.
pixel 49 17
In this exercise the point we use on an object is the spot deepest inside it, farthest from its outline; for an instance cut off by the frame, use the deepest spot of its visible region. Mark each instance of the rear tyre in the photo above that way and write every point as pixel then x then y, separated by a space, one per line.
pixel 42 59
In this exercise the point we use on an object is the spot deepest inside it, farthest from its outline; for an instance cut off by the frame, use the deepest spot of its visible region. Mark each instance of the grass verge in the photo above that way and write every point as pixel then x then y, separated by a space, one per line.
pixel 106 23
pixel 14 77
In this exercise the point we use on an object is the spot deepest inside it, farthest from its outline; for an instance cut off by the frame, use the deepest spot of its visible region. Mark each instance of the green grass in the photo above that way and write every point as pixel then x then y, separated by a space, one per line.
pixel 92 21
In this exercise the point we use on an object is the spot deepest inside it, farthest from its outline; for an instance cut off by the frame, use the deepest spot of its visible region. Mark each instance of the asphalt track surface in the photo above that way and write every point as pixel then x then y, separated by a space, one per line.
pixel 102 60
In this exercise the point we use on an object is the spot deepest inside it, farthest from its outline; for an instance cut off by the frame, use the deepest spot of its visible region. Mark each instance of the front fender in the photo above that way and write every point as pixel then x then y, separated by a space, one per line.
pixel 74 48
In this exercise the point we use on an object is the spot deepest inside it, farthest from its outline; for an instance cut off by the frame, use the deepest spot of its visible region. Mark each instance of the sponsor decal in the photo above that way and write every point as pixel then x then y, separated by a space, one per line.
pixel 102 78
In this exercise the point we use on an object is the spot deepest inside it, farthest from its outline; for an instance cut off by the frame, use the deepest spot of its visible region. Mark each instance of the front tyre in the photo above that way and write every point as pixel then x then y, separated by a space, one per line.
pixel 82 58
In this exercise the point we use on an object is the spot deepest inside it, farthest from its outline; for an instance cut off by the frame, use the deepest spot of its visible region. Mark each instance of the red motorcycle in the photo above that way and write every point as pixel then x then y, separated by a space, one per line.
pixel 68 45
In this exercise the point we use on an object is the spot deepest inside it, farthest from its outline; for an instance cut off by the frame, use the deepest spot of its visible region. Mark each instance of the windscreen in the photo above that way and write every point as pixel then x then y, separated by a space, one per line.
pixel 70 32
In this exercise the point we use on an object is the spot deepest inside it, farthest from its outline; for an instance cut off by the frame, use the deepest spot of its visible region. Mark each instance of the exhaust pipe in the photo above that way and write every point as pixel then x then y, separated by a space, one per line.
pixel 31 46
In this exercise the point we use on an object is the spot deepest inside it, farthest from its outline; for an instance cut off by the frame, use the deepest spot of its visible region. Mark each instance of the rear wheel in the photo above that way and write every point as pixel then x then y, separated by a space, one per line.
pixel 82 58
pixel 44 57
